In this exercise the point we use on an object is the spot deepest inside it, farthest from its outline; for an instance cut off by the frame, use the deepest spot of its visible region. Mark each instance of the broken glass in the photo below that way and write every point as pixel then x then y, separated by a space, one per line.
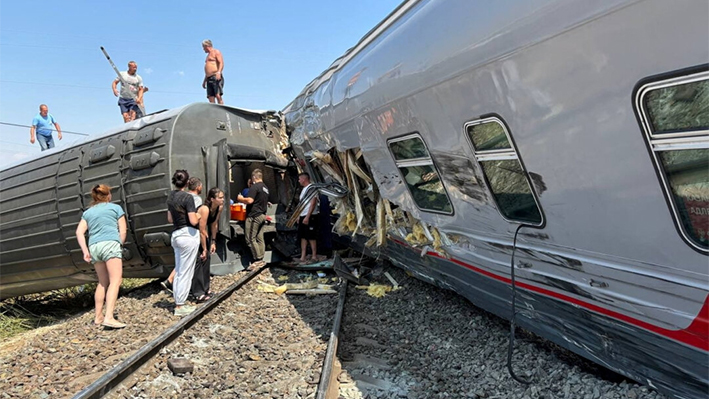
pixel 488 136
pixel 679 108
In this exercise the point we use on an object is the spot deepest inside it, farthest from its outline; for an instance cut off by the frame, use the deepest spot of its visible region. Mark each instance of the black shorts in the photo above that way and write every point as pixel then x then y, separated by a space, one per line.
pixel 308 231
pixel 215 87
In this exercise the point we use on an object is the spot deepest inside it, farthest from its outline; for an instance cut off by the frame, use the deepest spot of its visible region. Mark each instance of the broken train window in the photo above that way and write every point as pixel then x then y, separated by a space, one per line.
pixel 504 173
pixel 420 174
pixel 674 114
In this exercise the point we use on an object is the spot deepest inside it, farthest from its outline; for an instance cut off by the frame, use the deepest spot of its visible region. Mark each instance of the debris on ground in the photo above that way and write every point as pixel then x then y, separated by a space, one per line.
pixel 308 287
pixel 376 290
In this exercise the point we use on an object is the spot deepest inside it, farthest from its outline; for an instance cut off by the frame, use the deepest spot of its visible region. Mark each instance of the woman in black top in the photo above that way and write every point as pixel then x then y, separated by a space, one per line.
pixel 208 227
pixel 185 240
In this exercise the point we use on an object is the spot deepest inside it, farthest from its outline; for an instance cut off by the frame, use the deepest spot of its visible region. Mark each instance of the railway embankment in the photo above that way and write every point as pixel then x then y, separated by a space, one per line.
pixel 415 342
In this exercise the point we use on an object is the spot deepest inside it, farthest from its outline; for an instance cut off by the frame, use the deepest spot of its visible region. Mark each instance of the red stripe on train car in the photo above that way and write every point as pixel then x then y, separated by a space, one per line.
pixel 696 334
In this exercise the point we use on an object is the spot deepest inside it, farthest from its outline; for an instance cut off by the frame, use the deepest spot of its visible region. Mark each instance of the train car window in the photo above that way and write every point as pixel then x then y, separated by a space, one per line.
pixel 674 114
pixel 504 173
pixel 412 148
pixel 420 174
pixel 679 108
pixel 489 136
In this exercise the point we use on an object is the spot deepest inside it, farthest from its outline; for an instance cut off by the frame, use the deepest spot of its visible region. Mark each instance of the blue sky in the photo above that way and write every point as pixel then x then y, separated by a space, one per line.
pixel 49 53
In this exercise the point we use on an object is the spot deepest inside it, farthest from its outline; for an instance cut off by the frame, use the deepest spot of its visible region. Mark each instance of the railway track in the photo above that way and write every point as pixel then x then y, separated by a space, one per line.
pixel 106 384
pixel 108 381
pixel 247 342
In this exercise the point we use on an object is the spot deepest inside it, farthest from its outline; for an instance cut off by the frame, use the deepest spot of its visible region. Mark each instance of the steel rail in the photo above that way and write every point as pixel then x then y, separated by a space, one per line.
pixel 116 375
pixel 324 390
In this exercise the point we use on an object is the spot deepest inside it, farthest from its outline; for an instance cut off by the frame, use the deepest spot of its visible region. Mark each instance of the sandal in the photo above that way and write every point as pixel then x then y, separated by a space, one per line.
pixel 116 325
pixel 204 298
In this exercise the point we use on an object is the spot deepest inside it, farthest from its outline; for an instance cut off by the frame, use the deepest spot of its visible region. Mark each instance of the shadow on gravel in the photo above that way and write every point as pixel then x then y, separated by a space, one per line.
pixel 164 304
pixel 146 291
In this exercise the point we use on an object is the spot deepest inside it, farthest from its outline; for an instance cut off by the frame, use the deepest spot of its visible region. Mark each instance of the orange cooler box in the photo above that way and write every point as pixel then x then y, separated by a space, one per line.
pixel 238 212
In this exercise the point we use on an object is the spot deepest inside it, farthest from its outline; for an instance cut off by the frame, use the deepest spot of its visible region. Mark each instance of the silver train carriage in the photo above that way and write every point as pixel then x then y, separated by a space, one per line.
pixel 571 136
pixel 42 199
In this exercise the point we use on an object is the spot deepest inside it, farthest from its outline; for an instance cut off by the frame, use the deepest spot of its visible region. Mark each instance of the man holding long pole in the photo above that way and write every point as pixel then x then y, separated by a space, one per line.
pixel 131 93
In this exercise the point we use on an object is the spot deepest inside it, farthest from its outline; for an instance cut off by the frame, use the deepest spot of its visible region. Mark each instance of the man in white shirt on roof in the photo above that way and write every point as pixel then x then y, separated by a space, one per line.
pixel 131 94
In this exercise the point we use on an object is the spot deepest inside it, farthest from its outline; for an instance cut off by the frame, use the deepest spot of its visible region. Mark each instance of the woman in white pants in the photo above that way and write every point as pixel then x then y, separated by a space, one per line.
pixel 182 213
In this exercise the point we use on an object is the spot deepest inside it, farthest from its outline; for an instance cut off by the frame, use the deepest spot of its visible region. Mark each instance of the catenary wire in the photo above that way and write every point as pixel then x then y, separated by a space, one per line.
pixel 54 130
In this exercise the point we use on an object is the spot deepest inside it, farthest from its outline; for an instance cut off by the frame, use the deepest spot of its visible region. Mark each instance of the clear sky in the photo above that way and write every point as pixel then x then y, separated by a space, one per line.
pixel 49 53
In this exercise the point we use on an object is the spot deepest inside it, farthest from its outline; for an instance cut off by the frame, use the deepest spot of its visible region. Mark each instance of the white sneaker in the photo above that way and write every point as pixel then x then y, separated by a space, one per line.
pixel 184 310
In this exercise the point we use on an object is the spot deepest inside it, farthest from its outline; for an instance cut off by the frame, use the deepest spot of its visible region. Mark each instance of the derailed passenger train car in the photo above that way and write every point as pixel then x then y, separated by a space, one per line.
pixel 42 199
pixel 556 149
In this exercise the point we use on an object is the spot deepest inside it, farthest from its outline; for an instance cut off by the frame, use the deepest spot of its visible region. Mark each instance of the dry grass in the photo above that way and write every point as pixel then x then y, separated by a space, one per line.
pixel 28 312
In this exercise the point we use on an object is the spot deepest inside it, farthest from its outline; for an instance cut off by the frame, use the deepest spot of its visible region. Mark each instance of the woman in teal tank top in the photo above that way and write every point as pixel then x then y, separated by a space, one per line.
pixel 106 224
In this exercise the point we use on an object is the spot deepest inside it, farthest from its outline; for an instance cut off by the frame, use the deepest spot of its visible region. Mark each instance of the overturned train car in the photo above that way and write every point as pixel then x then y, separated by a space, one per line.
pixel 42 199
pixel 566 142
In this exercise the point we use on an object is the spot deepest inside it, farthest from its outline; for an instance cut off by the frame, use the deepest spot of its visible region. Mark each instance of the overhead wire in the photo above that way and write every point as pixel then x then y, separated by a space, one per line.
pixel 96 87
pixel 54 130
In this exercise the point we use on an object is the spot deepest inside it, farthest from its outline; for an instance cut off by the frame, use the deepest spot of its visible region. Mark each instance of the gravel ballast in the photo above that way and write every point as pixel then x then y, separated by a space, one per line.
pixel 416 342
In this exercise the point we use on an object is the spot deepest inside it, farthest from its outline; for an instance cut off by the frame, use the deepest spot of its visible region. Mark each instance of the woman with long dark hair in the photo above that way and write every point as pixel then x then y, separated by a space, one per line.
pixel 182 214
pixel 106 224
pixel 208 227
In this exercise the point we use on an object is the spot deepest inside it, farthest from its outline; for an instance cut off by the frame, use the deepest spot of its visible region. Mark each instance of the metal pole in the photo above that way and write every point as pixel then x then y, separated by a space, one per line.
pixel 120 77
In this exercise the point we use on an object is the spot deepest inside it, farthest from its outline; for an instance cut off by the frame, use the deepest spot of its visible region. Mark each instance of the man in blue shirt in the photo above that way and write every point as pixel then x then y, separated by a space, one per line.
pixel 42 125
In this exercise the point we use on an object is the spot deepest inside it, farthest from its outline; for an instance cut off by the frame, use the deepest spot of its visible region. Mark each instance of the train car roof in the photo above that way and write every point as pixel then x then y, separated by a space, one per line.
pixel 352 51
pixel 137 124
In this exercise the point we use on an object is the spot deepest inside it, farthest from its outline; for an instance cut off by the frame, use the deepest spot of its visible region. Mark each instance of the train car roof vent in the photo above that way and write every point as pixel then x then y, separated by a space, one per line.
pixel 148 136
pixel 101 153
pixel 144 161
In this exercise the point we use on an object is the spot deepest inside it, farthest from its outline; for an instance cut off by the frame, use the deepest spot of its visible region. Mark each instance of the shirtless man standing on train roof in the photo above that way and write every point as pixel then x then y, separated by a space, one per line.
pixel 213 66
